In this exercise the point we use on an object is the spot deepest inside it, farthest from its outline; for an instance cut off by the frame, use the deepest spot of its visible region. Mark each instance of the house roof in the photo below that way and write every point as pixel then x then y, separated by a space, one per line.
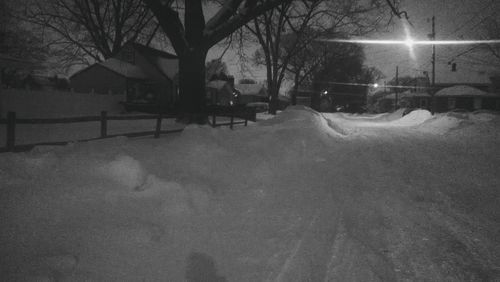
pixel 402 95
pixel 411 94
pixel 151 52
pixel 251 89
pixel 218 84
pixel 463 91
pixel 123 68
pixel 165 62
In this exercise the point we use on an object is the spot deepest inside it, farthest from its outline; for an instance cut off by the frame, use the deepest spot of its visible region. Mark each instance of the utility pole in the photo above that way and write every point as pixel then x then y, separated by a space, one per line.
pixel 396 90
pixel 433 82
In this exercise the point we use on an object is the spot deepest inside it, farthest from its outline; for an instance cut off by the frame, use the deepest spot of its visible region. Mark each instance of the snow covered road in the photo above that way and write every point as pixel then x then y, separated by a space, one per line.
pixel 300 197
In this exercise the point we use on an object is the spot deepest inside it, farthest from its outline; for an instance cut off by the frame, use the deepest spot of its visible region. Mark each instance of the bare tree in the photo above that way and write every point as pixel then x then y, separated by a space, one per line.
pixel 307 21
pixel 306 62
pixel 193 36
pixel 492 31
pixel 82 31
pixel 17 40
pixel 215 67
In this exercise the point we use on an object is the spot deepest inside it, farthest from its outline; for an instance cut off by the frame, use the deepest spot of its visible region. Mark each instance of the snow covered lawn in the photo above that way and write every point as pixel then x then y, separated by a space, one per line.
pixel 300 197
pixel 61 132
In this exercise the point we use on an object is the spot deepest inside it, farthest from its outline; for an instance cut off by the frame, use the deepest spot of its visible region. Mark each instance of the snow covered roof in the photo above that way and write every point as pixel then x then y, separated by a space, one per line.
pixel 218 84
pixel 123 68
pixel 251 89
pixel 167 63
pixel 152 52
pixel 406 94
pixel 411 94
pixel 169 67
pixel 463 91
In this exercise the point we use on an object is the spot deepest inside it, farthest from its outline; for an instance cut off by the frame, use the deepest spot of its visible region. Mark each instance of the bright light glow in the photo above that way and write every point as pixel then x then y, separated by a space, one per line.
pixel 413 42
pixel 409 42
pixel 325 92
pixel 375 85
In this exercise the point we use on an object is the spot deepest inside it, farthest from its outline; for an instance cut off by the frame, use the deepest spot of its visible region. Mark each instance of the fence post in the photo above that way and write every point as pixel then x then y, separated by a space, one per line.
pixel 11 130
pixel 158 126
pixel 232 119
pixel 213 119
pixel 245 110
pixel 104 124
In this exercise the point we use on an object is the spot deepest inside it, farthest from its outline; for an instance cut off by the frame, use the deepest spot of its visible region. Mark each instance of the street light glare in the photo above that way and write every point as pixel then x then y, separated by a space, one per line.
pixel 413 42
pixel 409 42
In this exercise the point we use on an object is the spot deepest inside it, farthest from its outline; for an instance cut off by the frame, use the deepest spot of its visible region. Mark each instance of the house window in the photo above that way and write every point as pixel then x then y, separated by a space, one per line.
pixel 452 103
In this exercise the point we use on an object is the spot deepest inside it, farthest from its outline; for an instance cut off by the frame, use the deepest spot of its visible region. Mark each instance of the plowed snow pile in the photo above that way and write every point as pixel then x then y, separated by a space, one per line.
pixel 348 124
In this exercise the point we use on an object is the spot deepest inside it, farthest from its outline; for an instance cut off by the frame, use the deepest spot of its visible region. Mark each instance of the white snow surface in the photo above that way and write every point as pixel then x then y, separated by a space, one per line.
pixel 302 196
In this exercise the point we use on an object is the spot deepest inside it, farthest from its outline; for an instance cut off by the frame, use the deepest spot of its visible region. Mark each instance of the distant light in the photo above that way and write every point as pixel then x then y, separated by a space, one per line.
pixel 413 42
pixel 325 92
pixel 409 42
pixel 375 85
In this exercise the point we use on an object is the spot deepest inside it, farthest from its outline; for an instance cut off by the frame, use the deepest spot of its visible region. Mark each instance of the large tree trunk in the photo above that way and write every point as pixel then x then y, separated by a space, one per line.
pixel 273 95
pixel 192 87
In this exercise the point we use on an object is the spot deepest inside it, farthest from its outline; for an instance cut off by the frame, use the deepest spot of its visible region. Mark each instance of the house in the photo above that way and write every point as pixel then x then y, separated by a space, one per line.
pixel 220 92
pixel 34 81
pixel 463 88
pixel 147 77
pixel 251 93
pixel 467 98
pixel 407 99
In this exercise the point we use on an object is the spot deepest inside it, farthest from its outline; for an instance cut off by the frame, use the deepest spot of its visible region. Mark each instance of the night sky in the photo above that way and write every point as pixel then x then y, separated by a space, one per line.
pixel 455 20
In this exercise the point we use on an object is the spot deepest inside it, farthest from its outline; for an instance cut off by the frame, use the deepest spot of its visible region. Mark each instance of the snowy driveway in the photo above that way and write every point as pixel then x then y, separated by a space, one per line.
pixel 301 197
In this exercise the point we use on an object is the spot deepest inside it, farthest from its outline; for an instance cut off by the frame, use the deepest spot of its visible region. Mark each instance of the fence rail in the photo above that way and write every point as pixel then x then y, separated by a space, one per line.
pixel 243 113
pixel 11 121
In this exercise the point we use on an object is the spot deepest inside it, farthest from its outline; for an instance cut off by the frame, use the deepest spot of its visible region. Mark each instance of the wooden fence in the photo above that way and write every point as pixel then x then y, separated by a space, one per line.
pixel 241 112
pixel 12 121
pixel 232 112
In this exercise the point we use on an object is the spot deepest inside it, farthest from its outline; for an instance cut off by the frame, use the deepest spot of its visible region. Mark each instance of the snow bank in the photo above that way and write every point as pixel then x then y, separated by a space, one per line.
pixel 126 171
pixel 305 117
pixel 443 123
pixel 484 116
pixel 413 118
pixel 130 174
pixel 440 124
pixel 348 124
